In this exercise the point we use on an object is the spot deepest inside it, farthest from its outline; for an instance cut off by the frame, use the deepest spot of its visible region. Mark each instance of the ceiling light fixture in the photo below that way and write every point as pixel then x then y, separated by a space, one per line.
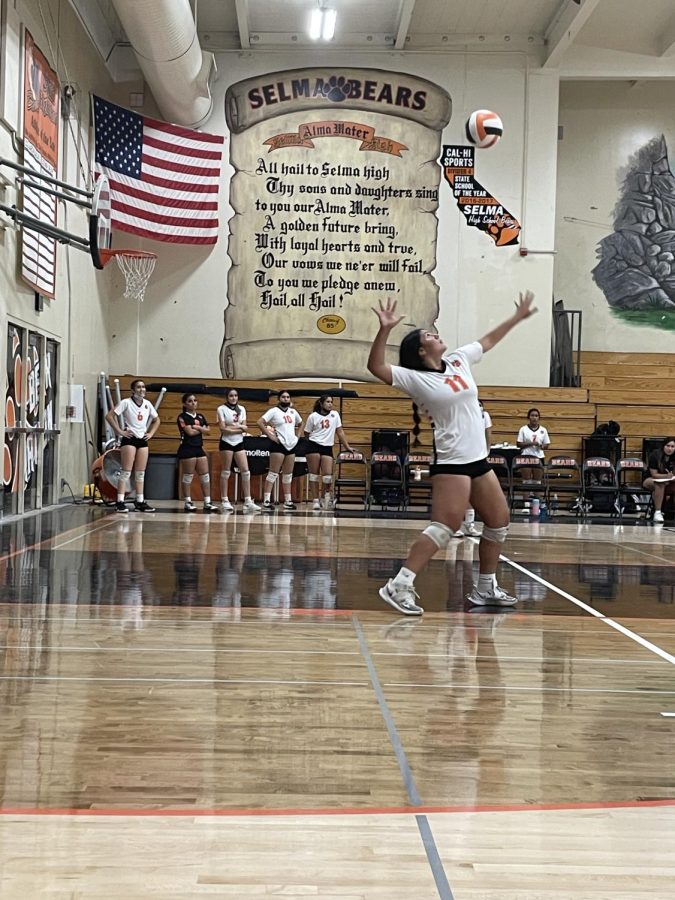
pixel 322 24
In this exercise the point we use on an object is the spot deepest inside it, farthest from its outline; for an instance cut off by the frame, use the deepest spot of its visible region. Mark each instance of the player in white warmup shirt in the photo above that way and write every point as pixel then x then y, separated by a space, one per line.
pixel 233 430
pixel 140 421
pixel 440 383
pixel 321 427
pixel 533 439
pixel 281 425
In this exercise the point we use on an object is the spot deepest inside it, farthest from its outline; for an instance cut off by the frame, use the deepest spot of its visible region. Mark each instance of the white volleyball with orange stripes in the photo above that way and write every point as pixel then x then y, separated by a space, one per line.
pixel 484 128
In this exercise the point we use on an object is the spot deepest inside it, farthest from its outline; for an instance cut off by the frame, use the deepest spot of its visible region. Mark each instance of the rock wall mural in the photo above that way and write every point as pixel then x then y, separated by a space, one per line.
pixel 335 193
pixel 636 268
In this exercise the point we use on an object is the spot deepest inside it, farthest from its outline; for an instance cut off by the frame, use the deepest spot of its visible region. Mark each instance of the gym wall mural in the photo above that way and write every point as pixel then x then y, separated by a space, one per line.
pixel 335 193
pixel 636 268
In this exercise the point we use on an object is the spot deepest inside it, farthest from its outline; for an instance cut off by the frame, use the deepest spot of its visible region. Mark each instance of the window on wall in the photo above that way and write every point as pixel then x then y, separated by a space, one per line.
pixel 31 435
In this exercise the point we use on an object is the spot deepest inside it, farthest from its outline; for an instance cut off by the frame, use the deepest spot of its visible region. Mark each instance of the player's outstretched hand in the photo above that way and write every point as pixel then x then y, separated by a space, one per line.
pixel 524 308
pixel 387 314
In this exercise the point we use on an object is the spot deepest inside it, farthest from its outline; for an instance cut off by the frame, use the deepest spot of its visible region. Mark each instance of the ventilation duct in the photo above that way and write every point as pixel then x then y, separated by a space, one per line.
pixel 163 36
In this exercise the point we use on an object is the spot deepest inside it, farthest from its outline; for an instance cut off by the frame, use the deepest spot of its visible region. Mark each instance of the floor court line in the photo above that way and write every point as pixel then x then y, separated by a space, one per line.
pixel 142 679
pixel 199 813
pixel 184 682
pixel 648 645
pixel 56 648
pixel 86 526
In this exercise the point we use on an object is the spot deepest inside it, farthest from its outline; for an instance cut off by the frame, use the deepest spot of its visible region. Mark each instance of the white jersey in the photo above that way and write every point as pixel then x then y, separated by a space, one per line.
pixel 229 416
pixel 134 417
pixel 539 436
pixel 284 423
pixel 450 399
pixel 321 427
pixel 487 423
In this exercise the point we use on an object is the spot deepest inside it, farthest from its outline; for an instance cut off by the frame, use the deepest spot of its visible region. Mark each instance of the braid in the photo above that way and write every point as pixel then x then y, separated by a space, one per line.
pixel 416 429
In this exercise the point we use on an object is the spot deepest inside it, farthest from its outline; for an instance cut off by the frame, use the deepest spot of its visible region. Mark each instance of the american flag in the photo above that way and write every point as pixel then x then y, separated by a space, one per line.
pixel 163 178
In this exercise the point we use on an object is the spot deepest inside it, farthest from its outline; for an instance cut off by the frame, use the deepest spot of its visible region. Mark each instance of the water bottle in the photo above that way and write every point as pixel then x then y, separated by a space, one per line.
pixel 535 508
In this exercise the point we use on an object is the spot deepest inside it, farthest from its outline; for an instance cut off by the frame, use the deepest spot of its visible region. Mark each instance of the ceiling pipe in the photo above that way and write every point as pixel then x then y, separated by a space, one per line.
pixel 163 36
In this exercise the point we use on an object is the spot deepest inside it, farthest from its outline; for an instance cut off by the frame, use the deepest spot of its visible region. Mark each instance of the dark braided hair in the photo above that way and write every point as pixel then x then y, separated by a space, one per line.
pixel 409 358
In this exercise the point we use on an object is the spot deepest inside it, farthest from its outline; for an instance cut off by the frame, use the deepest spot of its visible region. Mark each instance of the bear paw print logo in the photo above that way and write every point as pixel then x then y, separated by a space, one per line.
pixel 337 89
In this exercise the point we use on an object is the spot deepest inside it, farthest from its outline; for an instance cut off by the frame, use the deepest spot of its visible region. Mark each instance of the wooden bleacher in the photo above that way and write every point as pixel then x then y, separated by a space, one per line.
pixel 626 387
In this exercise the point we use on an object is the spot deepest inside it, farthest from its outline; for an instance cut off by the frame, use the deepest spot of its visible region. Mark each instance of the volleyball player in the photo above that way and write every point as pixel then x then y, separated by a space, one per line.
pixel 233 429
pixel 441 384
pixel 321 427
pixel 140 422
pixel 280 424
pixel 192 458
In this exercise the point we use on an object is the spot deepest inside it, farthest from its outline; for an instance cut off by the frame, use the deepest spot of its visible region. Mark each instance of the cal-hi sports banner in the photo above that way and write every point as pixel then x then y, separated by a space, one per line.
pixel 480 209
pixel 335 193
pixel 41 98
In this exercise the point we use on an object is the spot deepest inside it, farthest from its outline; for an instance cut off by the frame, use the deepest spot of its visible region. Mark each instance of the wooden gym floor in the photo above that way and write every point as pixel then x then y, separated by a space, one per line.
pixel 222 706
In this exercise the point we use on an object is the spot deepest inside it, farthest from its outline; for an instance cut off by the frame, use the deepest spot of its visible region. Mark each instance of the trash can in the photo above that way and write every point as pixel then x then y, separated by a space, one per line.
pixel 160 477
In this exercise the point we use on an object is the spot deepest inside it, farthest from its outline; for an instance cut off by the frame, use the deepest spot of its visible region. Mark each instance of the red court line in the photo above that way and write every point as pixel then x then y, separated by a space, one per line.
pixel 55 537
pixel 355 811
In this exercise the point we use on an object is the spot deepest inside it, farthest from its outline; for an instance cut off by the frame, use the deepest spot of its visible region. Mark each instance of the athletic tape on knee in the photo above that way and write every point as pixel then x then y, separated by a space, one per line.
pixel 272 477
pixel 187 478
pixel 125 475
pixel 225 473
pixel 327 479
pixel 287 478
pixel 313 478
pixel 246 476
pixel 496 535
pixel 140 476
pixel 438 533
pixel 205 478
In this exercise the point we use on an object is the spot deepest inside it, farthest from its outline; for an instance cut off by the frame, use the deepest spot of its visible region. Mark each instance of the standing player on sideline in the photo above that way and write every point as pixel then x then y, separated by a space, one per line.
pixel 280 424
pixel 136 413
pixel 467 528
pixel 441 383
pixel 321 427
pixel 192 427
pixel 233 429
pixel 533 439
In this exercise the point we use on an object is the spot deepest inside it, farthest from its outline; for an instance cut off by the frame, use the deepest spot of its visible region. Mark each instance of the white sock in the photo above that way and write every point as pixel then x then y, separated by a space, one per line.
pixel 470 516
pixel 486 583
pixel 405 578
pixel 207 500
pixel 139 497
pixel 266 496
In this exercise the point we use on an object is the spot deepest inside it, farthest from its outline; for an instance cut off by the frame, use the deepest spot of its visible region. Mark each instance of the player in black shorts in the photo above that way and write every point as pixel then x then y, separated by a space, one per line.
pixel 191 455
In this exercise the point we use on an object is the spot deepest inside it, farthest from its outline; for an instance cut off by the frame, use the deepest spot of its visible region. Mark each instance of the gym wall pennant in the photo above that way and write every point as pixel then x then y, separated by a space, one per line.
pixel 478 206
pixel 335 192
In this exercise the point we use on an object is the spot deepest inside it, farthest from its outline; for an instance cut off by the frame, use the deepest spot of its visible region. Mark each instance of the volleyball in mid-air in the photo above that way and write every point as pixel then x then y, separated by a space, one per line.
pixel 484 128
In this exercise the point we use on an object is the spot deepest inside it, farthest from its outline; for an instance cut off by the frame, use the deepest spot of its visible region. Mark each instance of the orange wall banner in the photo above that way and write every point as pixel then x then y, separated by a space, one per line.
pixel 41 98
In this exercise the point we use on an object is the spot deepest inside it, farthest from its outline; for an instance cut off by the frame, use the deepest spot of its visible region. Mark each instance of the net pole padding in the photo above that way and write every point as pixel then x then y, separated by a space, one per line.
pixel 136 265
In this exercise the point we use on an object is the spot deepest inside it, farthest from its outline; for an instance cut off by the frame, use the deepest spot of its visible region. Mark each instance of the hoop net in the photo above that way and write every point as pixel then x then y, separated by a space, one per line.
pixel 136 265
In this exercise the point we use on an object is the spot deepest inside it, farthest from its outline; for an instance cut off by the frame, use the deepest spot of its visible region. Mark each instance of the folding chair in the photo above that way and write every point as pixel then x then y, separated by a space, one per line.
pixel 351 479
pixel 418 478
pixel 522 484
pixel 500 466
pixel 562 475
pixel 387 480
pixel 599 481
pixel 631 472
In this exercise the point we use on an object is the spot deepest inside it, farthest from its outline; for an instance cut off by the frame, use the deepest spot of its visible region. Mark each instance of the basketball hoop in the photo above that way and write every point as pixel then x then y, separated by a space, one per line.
pixel 136 265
